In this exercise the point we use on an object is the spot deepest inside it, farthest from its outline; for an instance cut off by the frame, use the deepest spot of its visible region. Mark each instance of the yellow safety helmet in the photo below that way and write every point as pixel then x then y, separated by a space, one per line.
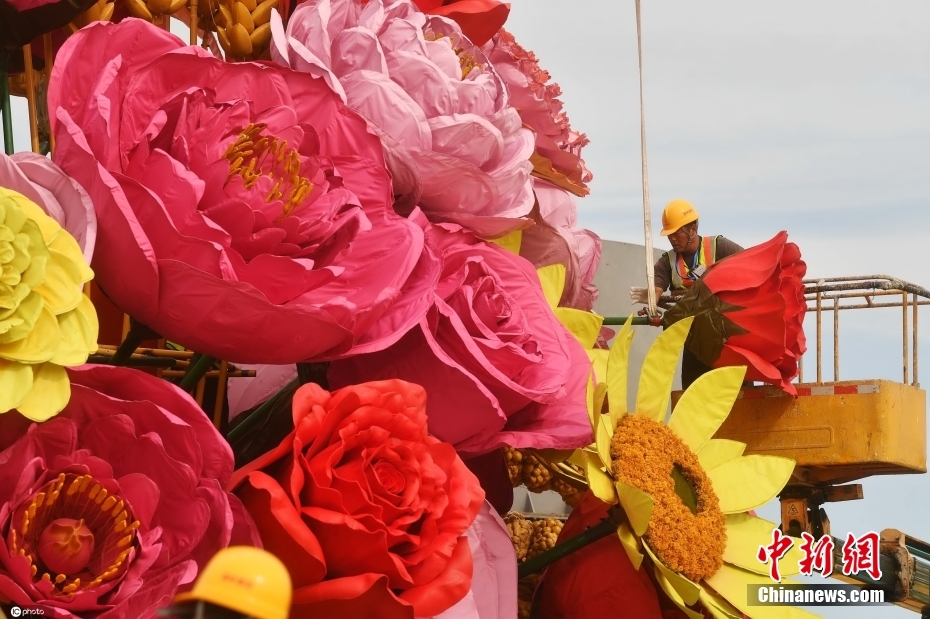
pixel 245 579
pixel 677 213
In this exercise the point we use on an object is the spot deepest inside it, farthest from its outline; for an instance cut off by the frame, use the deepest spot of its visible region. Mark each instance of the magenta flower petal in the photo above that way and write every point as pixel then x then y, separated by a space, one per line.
pixel 134 460
pixel 272 211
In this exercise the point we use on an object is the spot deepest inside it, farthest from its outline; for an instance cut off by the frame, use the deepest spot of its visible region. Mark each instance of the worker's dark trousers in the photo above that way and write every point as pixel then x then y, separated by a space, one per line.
pixel 691 368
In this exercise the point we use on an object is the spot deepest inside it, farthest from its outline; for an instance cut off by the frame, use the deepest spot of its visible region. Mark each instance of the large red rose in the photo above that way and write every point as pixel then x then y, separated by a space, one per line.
pixel 367 511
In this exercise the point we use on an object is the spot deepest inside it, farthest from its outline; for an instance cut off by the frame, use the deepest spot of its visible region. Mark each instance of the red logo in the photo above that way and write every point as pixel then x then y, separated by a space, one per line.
pixel 781 544
pixel 861 555
pixel 817 557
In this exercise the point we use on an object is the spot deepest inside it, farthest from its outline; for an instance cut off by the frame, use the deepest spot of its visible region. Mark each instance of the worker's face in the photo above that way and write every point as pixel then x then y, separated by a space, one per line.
pixel 679 239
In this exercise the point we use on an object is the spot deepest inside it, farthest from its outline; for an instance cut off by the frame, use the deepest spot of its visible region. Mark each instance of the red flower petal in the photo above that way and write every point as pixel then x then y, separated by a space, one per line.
pixel 365 595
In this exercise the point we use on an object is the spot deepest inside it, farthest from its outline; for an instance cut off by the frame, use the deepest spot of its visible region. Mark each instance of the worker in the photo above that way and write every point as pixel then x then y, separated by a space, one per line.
pixel 690 257
pixel 239 582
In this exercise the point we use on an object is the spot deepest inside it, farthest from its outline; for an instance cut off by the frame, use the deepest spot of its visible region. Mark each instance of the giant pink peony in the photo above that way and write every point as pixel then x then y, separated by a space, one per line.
pixel 558 148
pixel 110 507
pixel 498 366
pixel 243 211
pixel 455 145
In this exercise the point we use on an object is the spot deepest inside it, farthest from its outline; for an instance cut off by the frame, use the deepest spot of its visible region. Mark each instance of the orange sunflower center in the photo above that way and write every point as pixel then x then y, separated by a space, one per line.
pixel 647 455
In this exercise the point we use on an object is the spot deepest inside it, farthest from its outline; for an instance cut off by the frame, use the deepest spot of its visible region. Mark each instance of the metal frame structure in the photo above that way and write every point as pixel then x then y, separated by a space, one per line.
pixel 833 294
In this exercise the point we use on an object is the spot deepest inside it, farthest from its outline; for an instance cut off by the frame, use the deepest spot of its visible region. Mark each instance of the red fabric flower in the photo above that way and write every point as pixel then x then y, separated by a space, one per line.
pixel 599 580
pixel 130 476
pixel 479 19
pixel 749 310
pixel 366 510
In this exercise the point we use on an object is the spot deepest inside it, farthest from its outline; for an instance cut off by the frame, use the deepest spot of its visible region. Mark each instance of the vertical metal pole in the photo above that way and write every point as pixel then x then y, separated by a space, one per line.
pixel 5 103
pixel 836 340
pixel 31 97
pixel 801 369
pixel 916 339
pixel 193 12
pixel 819 337
pixel 49 59
pixel 904 331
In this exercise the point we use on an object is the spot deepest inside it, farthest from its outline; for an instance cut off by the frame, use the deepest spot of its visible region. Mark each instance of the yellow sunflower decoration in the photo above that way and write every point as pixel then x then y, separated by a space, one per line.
pixel 46 322
pixel 686 495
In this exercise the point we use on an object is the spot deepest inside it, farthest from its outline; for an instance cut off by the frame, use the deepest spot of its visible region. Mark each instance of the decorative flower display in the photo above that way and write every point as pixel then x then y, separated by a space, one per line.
pixel 60 196
pixel 368 512
pixel 686 495
pixel 46 323
pixel 234 200
pixel 749 310
pixel 454 144
pixel 479 19
pixel 112 505
pixel 558 149
pixel 499 367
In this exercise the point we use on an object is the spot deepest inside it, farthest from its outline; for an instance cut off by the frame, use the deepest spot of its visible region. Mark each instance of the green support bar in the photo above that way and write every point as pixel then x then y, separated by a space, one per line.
pixel 5 104
pixel 638 321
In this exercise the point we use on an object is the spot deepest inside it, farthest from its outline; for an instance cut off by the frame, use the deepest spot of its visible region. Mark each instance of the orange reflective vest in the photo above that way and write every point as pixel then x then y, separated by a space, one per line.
pixel 682 276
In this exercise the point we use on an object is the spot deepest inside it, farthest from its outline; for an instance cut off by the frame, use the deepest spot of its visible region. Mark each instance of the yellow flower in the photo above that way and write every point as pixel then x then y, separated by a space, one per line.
pixel 45 320
pixel 698 484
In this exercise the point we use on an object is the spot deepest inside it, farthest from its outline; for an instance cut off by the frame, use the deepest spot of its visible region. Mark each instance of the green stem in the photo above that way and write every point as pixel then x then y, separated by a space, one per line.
pixel 604 528
pixel 638 321
pixel 195 371
pixel 135 362
pixel 5 103
pixel 138 333
pixel 256 415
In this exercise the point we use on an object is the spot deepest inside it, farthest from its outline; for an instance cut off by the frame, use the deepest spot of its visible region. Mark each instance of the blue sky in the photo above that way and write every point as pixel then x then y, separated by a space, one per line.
pixel 813 117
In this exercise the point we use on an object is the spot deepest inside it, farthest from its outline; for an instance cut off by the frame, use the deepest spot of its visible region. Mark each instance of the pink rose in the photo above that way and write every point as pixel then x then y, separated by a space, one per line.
pixel 498 366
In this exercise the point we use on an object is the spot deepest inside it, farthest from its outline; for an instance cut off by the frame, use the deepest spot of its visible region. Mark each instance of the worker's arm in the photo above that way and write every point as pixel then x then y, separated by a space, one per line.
pixel 659 292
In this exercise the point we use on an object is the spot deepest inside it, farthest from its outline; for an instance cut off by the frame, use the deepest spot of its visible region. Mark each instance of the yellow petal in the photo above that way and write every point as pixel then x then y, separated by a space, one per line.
pixel 618 368
pixel 719 450
pixel 600 394
pixel 658 373
pixel 598 357
pixel 585 326
pixel 68 246
pixel 630 545
pixel 50 393
pixel 47 226
pixel 589 399
pixel 39 345
pixel 602 439
pixel 79 330
pixel 552 278
pixel 637 505
pixel 745 533
pixel 731 583
pixel 578 458
pixel 705 405
pixel 62 285
pixel 15 384
pixel 717 606
pixel 510 242
pixel 600 482
pixel 685 591
pixel 749 481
